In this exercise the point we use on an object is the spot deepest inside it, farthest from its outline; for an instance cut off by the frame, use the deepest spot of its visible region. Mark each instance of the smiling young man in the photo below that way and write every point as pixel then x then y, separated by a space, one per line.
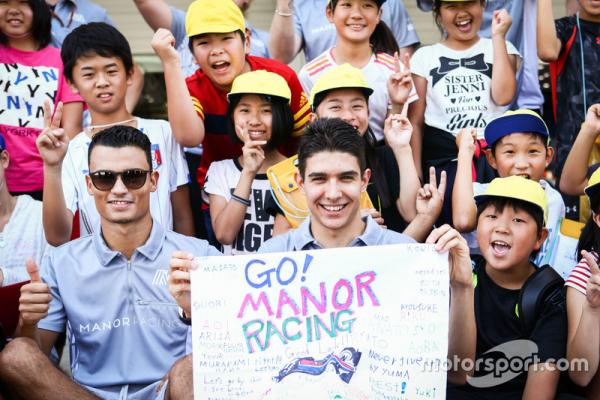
pixel 98 65
pixel 197 105
pixel 109 289
pixel 332 175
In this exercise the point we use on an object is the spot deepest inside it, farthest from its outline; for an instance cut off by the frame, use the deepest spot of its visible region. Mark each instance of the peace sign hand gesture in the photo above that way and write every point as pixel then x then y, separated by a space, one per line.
pixel 397 131
pixel 400 82
pixel 52 143
pixel 253 154
pixel 592 291
pixel 430 197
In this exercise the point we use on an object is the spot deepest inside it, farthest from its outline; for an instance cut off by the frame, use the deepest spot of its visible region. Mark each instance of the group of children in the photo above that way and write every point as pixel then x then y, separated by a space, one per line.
pixel 440 116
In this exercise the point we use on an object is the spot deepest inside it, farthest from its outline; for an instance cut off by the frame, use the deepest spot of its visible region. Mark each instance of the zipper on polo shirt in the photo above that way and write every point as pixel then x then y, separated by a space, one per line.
pixel 129 282
pixel 141 302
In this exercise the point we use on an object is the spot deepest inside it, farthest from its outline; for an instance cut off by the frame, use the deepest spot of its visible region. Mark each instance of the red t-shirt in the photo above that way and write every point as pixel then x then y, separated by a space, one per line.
pixel 211 105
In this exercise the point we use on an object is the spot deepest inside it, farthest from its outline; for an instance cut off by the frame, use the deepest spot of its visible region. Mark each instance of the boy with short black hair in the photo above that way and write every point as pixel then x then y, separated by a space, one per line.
pixel 197 105
pixel 511 214
pixel 99 65
pixel 518 145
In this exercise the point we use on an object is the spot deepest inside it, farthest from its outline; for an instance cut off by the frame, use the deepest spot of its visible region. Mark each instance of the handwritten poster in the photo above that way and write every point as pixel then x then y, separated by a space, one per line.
pixel 352 323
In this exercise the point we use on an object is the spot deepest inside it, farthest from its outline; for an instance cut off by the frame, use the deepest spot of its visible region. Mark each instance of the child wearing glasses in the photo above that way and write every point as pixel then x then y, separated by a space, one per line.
pixel 98 65
pixel 258 116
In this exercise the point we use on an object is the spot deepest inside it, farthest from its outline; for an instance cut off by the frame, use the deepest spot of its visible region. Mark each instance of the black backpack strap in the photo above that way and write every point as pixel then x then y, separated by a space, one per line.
pixel 3 338
pixel 533 295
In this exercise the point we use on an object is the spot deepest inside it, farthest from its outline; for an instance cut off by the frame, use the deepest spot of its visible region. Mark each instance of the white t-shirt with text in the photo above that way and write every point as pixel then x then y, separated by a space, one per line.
pixel 459 85
pixel 221 180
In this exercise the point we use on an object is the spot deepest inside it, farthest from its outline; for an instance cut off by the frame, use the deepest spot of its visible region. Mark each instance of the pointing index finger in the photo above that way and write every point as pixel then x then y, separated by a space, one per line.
pixel 396 62
pixel 406 61
pixel 47 114
pixel 432 178
pixel 57 116
pixel 442 186
pixel 244 133
pixel 591 260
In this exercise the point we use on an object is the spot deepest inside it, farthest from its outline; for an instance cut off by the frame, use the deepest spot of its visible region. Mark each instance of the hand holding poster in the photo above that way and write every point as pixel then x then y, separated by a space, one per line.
pixel 350 323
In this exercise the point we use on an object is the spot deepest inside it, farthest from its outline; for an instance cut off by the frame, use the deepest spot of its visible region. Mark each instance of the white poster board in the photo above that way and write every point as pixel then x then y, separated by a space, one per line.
pixel 351 323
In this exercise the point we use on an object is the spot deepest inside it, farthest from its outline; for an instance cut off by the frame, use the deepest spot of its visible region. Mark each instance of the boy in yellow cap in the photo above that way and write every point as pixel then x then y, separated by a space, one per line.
pixel 197 105
pixel 512 308
pixel 517 145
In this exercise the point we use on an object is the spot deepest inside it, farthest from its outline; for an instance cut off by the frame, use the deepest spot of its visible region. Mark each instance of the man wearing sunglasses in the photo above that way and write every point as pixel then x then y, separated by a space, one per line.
pixel 109 289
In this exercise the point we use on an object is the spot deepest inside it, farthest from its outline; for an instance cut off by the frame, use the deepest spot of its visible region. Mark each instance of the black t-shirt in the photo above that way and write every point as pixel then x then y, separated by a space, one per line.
pixel 569 93
pixel 391 215
pixel 498 323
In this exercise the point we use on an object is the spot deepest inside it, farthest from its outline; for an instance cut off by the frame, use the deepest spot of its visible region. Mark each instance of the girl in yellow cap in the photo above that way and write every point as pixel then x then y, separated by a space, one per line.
pixel 259 116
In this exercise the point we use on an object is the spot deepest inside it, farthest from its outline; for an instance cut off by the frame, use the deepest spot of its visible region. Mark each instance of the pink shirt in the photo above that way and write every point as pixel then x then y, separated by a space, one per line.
pixel 27 80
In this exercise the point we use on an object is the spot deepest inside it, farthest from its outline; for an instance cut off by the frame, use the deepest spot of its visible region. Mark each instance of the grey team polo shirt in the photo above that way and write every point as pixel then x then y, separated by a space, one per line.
pixel 122 322
pixel 302 238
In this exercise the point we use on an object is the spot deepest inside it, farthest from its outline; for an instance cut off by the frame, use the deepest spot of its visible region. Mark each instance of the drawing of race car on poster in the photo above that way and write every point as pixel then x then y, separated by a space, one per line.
pixel 344 364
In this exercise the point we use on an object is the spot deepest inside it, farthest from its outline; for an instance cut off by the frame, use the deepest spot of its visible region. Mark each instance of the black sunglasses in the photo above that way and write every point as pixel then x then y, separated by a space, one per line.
pixel 104 180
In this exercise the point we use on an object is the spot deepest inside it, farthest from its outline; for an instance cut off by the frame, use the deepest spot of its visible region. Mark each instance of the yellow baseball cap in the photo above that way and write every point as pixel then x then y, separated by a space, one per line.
pixel 213 16
pixel 593 184
pixel 340 77
pixel 518 188
pixel 261 82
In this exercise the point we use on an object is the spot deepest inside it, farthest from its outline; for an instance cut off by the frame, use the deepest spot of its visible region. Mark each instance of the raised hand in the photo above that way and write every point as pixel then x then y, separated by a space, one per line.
pixel 465 140
pixel 397 131
pixel 592 291
pixel 400 82
pixel 35 297
pixel 592 119
pixel 501 22
pixel 449 239
pixel 430 197
pixel 179 280
pixel 52 143
pixel 163 42
pixel 376 215
pixel 253 153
